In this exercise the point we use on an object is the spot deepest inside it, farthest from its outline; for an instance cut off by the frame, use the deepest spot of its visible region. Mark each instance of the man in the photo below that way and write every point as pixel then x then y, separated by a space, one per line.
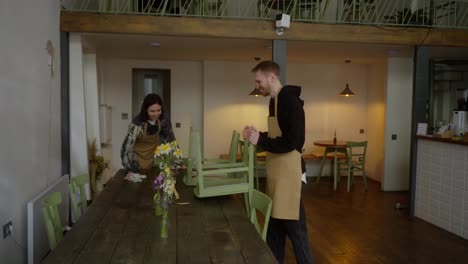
pixel 285 166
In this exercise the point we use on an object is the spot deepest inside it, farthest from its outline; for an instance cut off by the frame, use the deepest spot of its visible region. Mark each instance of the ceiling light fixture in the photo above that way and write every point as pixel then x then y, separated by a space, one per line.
pixel 347 92
pixel 255 92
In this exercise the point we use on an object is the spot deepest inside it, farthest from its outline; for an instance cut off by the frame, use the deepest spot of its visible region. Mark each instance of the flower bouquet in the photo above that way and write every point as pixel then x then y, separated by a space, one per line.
pixel 168 157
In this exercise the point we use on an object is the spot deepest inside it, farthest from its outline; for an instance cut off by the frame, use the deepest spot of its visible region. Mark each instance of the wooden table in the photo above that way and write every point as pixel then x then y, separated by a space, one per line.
pixel 120 227
pixel 335 148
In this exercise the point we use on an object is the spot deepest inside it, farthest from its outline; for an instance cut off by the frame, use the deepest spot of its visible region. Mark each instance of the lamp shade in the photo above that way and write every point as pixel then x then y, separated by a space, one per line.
pixel 255 92
pixel 347 91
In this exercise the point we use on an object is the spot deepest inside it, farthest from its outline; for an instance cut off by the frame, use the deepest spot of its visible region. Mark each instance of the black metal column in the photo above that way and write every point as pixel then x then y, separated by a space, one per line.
pixel 279 56
pixel 421 81
pixel 65 100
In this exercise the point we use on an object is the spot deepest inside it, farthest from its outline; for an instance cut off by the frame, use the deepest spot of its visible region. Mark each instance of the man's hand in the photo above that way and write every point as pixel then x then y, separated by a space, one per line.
pixel 246 132
pixel 254 135
pixel 251 134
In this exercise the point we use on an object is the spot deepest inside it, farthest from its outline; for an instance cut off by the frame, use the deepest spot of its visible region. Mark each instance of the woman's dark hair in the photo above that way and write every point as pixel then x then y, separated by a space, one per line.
pixel 150 100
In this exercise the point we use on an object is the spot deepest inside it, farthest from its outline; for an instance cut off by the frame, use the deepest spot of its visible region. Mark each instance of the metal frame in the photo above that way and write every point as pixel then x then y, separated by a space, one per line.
pixel 417 13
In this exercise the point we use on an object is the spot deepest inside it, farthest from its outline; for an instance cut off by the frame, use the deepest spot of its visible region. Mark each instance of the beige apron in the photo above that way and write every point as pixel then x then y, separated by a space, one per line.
pixel 144 148
pixel 284 173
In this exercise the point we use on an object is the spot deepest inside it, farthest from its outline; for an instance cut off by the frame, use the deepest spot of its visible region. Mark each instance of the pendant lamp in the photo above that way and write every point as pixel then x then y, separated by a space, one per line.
pixel 255 92
pixel 347 92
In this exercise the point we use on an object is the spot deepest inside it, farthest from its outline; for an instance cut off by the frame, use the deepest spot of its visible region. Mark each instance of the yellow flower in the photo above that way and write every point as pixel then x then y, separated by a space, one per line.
pixel 178 153
pixel 168 170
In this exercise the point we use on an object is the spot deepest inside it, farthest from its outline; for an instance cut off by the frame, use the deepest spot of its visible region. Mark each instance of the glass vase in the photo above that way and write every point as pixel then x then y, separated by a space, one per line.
pixel 158 211
pixel 164 223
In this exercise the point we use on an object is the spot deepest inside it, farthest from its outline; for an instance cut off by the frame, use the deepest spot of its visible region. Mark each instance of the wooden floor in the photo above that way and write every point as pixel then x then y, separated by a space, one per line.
pixel 364 227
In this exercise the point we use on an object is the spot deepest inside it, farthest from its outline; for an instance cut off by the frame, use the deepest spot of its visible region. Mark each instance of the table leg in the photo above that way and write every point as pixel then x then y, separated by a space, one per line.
pixel 335 178
pixel 324 159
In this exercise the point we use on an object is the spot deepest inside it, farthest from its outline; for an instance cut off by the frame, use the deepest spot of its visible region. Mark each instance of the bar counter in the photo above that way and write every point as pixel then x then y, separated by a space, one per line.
pixel 441 196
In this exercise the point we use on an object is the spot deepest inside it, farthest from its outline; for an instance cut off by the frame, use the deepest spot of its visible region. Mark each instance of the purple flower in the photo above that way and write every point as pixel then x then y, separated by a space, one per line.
pixel 158 182
pixel 160 177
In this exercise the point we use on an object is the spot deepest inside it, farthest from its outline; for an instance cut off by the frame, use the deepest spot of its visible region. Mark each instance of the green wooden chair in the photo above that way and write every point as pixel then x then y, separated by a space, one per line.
pixel 355 161
pixel 52 220
pixel 208 163
pixel 262 203
pixel 225 178
pixel 77 188
pixel 259 165
pixel 189 177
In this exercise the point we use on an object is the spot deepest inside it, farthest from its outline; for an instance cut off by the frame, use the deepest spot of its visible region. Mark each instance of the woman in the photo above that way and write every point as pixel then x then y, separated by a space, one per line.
pixel 147 130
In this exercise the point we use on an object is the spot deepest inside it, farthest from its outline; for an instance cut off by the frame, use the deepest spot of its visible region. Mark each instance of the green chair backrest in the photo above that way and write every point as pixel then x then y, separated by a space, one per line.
pixel 224 178
pixel 77 188
pixel 357 151
pixel 262 203
pixel 234 146
pixel 52 220
pixel 188 178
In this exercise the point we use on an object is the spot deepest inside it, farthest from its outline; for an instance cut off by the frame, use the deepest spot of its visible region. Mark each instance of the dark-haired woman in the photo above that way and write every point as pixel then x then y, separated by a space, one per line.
pixel 147 130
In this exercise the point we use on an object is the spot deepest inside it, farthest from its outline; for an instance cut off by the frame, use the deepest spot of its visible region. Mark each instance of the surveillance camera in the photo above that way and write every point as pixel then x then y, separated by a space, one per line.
pixel 282 21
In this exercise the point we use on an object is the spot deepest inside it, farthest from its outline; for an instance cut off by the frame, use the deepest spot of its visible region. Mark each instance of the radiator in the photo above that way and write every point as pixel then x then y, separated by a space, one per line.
pixel 38 245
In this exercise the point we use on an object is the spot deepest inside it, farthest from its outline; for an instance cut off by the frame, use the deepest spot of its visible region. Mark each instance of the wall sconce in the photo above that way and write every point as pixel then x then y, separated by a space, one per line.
pixel 347 92
pixel 255 92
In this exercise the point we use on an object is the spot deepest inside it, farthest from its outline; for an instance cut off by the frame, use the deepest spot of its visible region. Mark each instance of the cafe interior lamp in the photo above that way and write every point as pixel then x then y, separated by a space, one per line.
pixel 347 92
pixel 255 92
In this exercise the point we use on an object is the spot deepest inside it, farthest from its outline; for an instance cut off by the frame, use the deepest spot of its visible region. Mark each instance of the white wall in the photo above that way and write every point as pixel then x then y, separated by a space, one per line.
pixel 30 156
pixel 325 109
pixel 398 121
pixel 186 98
pixel 228 105
pixel 376 83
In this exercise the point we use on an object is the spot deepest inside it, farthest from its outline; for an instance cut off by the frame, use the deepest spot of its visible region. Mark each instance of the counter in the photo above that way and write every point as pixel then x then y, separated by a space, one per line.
pixel 441 196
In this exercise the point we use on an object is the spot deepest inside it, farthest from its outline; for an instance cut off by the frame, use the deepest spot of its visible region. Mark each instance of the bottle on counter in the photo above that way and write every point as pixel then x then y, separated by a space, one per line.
pixel 334 138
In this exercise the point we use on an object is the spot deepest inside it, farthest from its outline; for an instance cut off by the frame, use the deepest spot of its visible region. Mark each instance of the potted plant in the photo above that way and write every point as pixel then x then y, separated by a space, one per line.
pixel 97 165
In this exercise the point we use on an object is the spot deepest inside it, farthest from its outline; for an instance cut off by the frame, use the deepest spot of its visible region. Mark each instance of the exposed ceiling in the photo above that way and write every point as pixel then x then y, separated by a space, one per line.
pixel 195 48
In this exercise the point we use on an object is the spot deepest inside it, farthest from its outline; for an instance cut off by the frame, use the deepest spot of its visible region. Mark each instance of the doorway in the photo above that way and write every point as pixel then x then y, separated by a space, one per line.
pixel 146 81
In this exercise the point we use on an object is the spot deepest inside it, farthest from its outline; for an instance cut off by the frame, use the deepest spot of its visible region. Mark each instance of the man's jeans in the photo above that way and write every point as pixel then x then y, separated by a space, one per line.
pixel 296 230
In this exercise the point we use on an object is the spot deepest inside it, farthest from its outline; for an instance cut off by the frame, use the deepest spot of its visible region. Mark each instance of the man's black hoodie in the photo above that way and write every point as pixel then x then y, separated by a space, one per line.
pixel 291 120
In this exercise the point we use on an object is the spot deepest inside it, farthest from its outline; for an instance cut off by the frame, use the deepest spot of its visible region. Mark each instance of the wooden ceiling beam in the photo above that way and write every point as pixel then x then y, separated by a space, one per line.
pixel 257 29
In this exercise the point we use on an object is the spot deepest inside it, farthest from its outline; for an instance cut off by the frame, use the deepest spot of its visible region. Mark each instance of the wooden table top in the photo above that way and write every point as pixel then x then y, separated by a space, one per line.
pixel 120 226
pixel 329 143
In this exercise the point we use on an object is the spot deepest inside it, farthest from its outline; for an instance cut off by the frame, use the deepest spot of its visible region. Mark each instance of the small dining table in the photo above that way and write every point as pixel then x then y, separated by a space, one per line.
pixel 335 148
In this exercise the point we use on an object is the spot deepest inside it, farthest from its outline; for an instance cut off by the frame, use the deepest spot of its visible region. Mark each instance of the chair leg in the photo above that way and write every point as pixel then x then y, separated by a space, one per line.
pixel 257 184
pixel 364 177
pixel 247 204
pixel 350 177
pixel 335 171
